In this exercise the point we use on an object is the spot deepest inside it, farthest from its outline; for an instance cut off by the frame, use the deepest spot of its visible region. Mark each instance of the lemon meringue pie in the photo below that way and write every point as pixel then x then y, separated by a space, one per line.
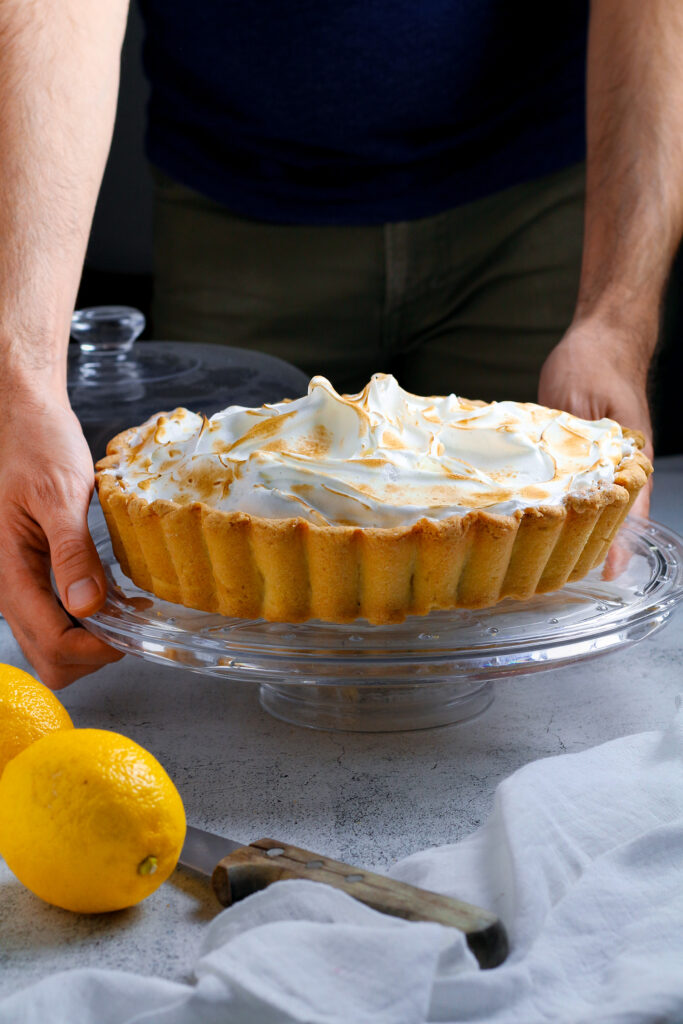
pixel 376 505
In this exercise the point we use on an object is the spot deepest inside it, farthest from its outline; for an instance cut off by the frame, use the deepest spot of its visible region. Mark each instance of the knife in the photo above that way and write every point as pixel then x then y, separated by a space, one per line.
pixel 236 870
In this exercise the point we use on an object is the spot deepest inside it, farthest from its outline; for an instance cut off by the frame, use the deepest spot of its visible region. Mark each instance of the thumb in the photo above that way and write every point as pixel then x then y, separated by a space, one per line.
pixel 78 571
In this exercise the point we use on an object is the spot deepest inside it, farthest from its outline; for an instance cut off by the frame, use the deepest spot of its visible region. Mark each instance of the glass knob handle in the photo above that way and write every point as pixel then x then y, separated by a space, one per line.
pixel 107 330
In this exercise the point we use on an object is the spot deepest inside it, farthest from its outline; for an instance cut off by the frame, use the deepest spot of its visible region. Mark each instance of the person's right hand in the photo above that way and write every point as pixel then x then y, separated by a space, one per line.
pixel 46 481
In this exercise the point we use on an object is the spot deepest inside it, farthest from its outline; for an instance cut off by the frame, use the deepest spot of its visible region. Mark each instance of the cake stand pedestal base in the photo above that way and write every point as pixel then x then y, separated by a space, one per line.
pixel 377 707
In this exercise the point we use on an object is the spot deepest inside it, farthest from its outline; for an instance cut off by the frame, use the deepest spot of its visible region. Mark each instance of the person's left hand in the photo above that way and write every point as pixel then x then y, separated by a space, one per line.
pixel 596 372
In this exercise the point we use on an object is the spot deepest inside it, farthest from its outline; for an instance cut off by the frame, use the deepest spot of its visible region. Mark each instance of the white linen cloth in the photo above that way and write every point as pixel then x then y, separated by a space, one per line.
pixel 582 858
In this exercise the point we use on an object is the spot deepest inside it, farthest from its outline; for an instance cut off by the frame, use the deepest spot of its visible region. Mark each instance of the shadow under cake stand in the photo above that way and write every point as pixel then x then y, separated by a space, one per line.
pixel 427 671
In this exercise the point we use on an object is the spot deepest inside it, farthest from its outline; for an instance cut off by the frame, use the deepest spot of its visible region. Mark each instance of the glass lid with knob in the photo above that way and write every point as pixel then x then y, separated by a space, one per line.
pixel 115 382
pixel 106 355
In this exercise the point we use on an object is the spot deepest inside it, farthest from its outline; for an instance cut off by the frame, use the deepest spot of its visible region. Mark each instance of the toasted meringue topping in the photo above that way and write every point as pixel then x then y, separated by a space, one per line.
pixel 381 458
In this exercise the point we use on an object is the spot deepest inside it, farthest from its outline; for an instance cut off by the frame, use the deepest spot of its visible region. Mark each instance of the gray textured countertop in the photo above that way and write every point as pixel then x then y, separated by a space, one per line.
pixel 368 799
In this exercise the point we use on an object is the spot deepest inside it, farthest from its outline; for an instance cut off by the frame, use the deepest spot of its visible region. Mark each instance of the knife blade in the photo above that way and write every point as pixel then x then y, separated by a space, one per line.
pixel 203 850
pixel 238 869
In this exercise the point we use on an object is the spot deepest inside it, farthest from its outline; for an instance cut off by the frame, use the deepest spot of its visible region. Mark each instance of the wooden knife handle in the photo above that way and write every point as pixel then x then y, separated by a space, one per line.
pixel 254 867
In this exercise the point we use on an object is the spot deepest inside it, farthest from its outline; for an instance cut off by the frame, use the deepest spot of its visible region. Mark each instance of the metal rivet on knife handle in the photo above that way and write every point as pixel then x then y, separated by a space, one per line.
pixel 256 866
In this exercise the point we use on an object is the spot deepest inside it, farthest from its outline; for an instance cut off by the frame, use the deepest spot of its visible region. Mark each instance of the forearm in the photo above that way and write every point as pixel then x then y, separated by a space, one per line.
pixel 59 72
pixel 634 184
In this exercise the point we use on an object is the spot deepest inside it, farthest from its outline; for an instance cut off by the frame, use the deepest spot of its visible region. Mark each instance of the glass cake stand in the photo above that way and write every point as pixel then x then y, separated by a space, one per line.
pixel 427 671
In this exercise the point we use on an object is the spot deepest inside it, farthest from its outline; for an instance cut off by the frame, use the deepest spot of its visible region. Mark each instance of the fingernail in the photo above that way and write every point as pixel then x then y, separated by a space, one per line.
pixel 82 593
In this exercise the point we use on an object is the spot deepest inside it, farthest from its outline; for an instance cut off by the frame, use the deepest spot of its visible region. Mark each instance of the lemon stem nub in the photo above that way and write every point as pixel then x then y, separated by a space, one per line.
pixel 147 866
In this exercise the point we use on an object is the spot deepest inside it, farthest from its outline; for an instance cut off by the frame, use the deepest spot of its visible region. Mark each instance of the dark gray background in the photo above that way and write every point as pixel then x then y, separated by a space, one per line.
pixel 119 261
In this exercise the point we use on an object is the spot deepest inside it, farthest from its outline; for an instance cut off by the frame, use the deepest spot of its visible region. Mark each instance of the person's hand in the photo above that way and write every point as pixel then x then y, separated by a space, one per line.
pixel 46 481
pixel 592 374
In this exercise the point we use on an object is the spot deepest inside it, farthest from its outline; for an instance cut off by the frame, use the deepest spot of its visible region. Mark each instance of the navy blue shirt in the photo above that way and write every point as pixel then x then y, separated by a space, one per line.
pixel 362 111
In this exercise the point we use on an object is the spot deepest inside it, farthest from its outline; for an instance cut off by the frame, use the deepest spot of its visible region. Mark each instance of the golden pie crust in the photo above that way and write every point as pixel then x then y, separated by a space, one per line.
pixel 290 570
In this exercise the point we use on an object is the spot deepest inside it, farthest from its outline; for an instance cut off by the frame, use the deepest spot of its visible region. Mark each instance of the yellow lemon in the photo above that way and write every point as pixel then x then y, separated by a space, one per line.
pixel 28 710
pixel 89 820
